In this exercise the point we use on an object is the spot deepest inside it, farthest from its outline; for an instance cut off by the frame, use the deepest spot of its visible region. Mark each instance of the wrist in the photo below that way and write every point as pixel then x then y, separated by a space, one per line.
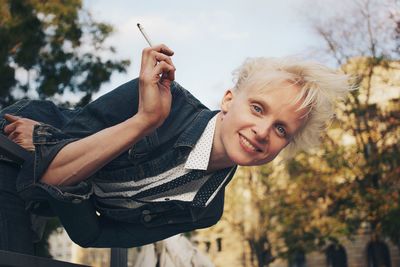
pixel 143 123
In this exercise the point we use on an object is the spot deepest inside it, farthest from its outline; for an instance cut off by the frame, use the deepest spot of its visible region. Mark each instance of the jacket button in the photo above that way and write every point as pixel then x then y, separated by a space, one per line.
pixel 76 201
pixel 147 218
pixel 145 212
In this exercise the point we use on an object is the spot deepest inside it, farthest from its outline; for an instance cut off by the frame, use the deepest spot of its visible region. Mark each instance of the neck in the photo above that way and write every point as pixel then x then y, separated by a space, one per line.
pixel 218 158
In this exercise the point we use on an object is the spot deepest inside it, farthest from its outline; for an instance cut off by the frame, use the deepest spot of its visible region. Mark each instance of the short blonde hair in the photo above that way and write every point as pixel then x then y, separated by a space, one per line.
pixel 321 87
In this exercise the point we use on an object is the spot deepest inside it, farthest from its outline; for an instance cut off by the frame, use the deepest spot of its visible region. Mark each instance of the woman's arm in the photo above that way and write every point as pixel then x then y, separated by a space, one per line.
pixel 82 158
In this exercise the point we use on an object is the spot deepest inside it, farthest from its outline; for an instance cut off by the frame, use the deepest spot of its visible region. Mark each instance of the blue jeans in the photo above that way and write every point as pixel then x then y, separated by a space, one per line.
pixel 16 232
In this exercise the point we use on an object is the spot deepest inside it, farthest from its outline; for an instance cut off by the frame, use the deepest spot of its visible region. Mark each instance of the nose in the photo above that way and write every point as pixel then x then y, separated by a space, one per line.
pixel 262 131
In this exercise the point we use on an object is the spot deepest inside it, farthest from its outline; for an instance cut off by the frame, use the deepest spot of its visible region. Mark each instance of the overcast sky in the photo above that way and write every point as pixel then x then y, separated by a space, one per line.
pixel 210 38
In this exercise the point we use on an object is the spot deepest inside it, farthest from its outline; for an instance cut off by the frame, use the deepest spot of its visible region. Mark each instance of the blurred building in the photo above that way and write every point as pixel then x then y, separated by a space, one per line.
pixel 226 247
pixel 60 246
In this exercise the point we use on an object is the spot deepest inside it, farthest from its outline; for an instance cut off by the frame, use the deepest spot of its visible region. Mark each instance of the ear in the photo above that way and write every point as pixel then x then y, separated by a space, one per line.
pixel 227 101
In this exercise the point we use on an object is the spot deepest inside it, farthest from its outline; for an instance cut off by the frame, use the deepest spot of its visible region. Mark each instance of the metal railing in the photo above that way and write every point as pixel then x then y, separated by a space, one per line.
pixel 12 259
pixel 119 256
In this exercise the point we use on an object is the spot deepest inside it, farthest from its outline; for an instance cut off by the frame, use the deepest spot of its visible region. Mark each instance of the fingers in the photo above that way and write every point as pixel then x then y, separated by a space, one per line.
pixel 13 136
pixel 152 57
pixel 19 128
pixel 162 48
pixel 15 120
pixel 11 118
pixel 20 131
pixel 167 71
pixel 161 57
pixel 157 61
pixel 20 139
pixel 10 127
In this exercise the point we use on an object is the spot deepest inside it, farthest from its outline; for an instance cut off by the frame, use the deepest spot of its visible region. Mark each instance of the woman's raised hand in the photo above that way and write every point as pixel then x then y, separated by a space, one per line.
pixel 156 74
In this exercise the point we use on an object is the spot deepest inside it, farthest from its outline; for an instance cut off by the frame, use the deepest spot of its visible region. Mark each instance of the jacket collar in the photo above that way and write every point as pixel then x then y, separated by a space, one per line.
pixel 190 136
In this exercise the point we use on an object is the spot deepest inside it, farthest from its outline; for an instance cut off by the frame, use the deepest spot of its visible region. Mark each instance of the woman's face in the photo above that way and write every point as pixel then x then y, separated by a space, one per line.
pixel 255 125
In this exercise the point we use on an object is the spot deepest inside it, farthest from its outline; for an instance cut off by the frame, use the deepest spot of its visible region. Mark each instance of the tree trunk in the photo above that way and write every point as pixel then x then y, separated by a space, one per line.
pixel 261 249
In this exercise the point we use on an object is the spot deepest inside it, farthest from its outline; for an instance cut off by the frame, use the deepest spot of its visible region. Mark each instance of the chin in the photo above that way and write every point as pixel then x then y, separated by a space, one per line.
pixel 243 161
pixel 248 161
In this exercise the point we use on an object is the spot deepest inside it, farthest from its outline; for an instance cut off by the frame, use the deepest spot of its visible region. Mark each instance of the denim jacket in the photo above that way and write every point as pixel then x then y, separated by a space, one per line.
pixel 89 224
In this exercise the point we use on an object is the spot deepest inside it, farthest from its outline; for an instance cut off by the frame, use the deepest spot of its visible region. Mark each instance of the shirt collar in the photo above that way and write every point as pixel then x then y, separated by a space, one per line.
pixel 199 157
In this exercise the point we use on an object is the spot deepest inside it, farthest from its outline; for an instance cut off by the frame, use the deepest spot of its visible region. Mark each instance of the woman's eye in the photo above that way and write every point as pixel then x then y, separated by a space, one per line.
pixel 281 131
pixel 257 108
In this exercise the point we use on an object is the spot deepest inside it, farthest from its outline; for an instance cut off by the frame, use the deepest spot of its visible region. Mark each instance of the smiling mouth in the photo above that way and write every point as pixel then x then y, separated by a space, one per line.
pixel 247 145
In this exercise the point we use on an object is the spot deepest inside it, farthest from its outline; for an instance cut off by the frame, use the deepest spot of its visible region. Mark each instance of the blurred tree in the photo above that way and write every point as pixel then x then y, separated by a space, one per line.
pixel 282 211
pixel 302 214
pixel 51 46
pixel 361 154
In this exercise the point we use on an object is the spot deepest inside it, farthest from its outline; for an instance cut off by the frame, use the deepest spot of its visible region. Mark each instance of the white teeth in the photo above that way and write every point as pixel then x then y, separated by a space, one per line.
pixel 247 144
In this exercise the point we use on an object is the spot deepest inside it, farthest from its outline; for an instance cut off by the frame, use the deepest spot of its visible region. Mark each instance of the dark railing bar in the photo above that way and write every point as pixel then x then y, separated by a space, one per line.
pixel 12 259
pixel 119 257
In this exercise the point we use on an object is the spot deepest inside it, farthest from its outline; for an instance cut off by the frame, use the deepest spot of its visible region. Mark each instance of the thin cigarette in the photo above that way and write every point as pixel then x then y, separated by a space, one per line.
pixel 141 29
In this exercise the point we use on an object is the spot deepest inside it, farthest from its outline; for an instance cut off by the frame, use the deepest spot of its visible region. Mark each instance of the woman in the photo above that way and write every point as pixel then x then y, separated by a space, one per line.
pixel 148 160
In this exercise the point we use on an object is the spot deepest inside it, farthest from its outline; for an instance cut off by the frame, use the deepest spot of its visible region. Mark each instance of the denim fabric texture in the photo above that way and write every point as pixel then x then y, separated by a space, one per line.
pixel 15 225
pixel 19 228
pixel 88 223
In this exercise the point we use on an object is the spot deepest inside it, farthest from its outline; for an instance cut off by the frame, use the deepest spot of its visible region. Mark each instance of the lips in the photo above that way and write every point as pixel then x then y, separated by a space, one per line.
pixel 248 145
